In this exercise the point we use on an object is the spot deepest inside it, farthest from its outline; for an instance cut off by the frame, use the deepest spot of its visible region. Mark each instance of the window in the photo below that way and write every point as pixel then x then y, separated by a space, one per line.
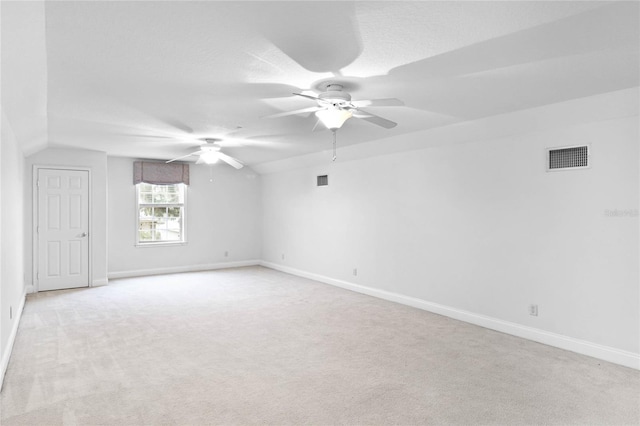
pixel 161 213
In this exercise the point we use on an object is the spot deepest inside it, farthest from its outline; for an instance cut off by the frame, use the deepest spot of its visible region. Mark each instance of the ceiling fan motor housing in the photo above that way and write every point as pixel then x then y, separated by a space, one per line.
pixel 335 95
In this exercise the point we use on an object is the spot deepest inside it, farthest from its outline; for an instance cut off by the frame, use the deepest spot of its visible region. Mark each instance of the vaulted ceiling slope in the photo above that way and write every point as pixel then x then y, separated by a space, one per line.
pixel 152 79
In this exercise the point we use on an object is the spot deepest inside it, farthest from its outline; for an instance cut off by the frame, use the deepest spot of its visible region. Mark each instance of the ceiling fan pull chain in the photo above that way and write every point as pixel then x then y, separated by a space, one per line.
pixel 334 146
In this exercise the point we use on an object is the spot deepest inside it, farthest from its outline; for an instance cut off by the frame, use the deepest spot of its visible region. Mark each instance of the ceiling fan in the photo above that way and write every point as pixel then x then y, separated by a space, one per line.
pixel 335 107
pixel 210 153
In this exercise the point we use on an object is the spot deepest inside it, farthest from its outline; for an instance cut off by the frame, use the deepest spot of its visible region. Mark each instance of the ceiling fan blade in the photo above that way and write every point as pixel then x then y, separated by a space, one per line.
pixel 308 96
pixel 314 98
pixel 200 161
pixel 137 135
pixel 230 160
pixel 298 111
pixel 372 118
pixel 184 156
pixel 377 102
pixel 318 37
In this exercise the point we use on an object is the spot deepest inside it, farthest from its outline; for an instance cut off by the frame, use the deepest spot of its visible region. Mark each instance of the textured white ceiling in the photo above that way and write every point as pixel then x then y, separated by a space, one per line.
pixel 150 79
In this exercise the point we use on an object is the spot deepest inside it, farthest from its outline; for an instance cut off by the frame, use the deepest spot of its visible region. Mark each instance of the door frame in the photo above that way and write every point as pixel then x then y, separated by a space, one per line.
pixel 36 219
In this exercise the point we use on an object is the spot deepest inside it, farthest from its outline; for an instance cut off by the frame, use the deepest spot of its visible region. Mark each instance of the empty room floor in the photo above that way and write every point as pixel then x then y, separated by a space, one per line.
pixel 253 345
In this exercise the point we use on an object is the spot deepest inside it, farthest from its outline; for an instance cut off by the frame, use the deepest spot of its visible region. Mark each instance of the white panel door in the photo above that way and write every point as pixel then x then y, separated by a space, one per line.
pixel 63 229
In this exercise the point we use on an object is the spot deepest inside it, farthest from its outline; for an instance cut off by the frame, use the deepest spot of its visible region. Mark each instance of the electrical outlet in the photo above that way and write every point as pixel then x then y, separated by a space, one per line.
pixel 10 312
pixel 355 272
pixel 226 254
pixel 533 310
pixel 282 256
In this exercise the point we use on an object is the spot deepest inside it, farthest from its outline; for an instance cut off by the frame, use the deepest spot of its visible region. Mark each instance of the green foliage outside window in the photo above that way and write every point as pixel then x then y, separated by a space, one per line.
pixel 161 213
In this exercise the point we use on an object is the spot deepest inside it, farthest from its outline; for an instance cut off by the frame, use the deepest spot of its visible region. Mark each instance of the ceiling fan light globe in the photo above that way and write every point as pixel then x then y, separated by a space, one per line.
pixel 333 118
pixel 209 157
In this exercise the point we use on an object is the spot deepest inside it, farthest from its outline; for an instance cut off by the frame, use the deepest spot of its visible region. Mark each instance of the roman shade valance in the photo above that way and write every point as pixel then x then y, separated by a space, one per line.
pixel 160 173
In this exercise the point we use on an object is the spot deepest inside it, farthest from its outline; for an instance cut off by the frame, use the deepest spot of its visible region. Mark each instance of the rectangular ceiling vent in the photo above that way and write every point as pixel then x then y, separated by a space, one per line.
pixel 323 180
pixel 568 158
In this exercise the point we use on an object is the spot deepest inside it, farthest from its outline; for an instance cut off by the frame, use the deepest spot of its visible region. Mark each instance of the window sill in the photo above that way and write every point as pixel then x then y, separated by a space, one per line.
pixel 161 244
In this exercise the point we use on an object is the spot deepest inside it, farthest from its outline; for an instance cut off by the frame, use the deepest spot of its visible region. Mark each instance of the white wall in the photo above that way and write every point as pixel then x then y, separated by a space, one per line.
pixel 23 54
pixel 12 287
pixel 95 161
pixel 222 215
pixel 23 127
pixel 478 227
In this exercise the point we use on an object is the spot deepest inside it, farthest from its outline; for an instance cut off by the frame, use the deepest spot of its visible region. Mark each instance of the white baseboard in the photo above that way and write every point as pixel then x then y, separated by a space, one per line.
pixel 6 356
pixel 100 282
pixel 178 269
pixel 606 353
pixel 30 289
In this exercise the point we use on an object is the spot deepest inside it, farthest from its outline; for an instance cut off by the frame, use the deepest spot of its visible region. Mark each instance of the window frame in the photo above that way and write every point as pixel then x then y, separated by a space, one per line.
pixel 183 218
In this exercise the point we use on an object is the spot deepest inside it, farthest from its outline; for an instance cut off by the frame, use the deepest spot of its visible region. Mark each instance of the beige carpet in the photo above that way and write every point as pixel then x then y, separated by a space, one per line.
pixel 252 345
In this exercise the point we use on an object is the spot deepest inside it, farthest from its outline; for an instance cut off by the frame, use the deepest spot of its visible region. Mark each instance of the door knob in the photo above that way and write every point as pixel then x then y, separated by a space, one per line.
pixel 84 234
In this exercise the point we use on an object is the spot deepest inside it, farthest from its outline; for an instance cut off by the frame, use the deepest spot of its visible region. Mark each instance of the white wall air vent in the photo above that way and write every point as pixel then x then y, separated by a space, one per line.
pixel 568 158
pixel 323 180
